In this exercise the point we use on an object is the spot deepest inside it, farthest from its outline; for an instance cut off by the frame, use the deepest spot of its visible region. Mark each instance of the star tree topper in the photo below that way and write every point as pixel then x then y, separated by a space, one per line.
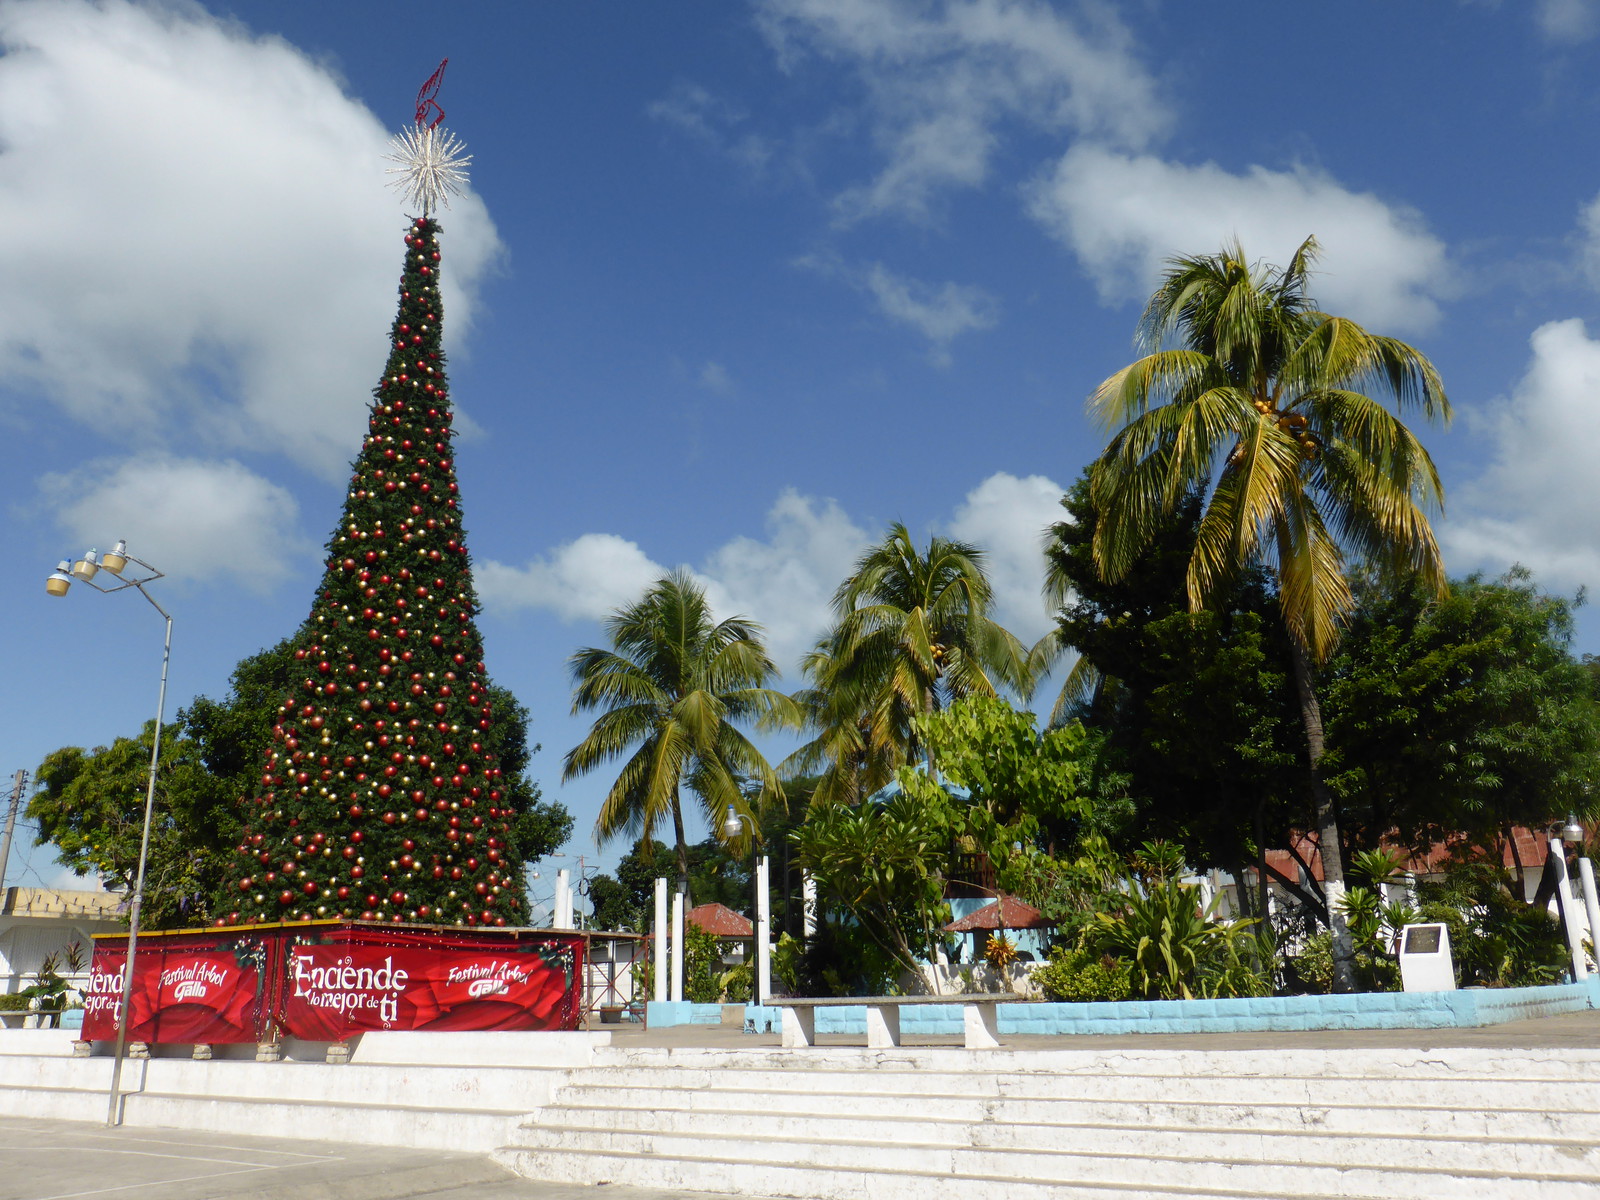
pixel 432 167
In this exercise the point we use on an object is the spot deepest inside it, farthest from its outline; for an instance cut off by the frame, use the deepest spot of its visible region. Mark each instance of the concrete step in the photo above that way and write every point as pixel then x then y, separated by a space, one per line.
pixel 776 1165
pixel 1456 1091
pixel 1419 1118
pixel 811 1183
pixel 1389 1147
pixel 446 1086
pixel 362 1123
pixel 1396 1062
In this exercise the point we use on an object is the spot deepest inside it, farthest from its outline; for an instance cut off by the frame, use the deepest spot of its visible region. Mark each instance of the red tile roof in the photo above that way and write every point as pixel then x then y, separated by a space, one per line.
pixel 1006 913
pixel 720 920
pixel 1532 848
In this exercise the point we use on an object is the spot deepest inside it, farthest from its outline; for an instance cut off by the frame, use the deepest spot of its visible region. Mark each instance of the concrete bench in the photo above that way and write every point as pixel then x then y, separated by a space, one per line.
pixel 978 1012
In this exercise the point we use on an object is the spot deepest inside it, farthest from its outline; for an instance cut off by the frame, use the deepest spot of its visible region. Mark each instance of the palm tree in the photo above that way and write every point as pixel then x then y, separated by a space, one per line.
pixel 670 690
pixel 1251 394
pixel 912 633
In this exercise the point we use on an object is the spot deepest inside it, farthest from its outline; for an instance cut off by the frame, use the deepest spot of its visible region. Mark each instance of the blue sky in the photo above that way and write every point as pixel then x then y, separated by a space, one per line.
pixel 736 285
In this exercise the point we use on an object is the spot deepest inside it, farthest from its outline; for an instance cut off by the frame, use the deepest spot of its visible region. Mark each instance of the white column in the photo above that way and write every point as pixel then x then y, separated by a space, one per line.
pixel 1591 905
pixel 677 945
pixel 563 899
pixel 764 926
pixel 808 903
pixel 661 941
pixel 1580 969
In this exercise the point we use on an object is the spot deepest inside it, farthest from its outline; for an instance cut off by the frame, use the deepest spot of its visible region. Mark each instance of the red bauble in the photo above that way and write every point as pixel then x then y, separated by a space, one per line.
pixel 285 897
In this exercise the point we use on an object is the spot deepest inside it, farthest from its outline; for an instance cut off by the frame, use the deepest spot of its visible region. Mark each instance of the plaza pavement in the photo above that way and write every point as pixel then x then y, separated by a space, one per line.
pixel 84 1160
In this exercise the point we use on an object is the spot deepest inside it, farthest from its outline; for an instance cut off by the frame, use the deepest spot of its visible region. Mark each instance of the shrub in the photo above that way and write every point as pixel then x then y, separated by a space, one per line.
pixel 1175 950
pixel 1082 976
pixel 1495 938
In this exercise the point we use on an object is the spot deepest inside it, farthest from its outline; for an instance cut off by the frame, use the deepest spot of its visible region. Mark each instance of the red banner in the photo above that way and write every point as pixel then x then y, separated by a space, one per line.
pixel 326 982
pixel 338 989
pixel 198 988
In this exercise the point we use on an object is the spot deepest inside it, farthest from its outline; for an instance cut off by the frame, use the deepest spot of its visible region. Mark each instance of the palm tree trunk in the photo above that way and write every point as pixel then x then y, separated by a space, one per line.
pixel 683 847
pixel 1344 955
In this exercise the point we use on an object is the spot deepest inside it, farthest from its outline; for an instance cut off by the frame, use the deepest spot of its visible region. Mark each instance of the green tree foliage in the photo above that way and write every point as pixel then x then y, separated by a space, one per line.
pixel 1196 709
pixel 883 866
pixel 626 900
pixel 1032 794
pixel 670 690
pixel 1460 715
pixel 90 806
pixel 1251 394
pixel 379 752
pixel 912 634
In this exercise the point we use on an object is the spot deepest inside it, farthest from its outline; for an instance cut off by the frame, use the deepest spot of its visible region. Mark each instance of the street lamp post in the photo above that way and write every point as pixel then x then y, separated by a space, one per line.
pixel 735 824
pixel 84 571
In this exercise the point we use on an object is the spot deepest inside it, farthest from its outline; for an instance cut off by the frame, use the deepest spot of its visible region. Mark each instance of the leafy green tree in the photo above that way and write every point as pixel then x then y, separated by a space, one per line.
pixel 1197 713
pixel 1260 402
pixel 90 806
pixel 670 690
pixel 883 865
pixel 626 900
pixel 1465 714
pixel 912 634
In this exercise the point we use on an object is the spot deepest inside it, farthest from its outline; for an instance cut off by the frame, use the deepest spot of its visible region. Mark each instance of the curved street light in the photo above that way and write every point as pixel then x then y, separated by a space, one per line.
pixel 59 583
pixel 735 824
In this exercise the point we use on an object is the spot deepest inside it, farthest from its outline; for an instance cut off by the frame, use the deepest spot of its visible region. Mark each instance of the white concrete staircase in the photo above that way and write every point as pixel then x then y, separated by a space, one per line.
pixel 396 1092
pixel 905 1124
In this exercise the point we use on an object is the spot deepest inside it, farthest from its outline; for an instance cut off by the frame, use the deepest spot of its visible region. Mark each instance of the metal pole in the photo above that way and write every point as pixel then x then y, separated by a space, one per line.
pixel 19 785
pixel 764 933
pixel 1580 969
pixel 755 921
pixel 1591 905
pixel 112 1117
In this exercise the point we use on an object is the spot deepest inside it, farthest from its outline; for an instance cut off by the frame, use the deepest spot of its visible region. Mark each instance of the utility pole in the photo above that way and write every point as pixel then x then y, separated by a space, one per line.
pixel 18 786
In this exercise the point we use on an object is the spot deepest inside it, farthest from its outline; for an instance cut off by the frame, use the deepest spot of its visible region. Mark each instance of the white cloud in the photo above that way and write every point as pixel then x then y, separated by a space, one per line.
pixel 1123 215
pixel 1535 503
pixel 585 579
pixel 1568 20
pixel 785 580
pixel 938 312
pixel 942 78
pixel 1007 517
pixel 714 377
pixel 192 519
pixel 713 122
pixel 210 244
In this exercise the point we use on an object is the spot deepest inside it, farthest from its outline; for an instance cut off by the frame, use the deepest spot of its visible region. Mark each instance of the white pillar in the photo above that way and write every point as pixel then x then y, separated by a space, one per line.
pixel 677 945
pixel 764 926
pixel 563 899
pixel 1580 969
pixel 661 941
pixel 808 903
pixel 1591 905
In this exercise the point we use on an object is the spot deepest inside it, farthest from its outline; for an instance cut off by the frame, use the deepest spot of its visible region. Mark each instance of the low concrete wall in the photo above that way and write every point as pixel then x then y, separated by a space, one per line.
pixel 1366 1010
pixel 681 1012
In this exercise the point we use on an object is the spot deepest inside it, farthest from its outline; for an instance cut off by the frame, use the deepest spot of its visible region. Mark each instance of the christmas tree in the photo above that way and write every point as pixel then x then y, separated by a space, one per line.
pixel 378 799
